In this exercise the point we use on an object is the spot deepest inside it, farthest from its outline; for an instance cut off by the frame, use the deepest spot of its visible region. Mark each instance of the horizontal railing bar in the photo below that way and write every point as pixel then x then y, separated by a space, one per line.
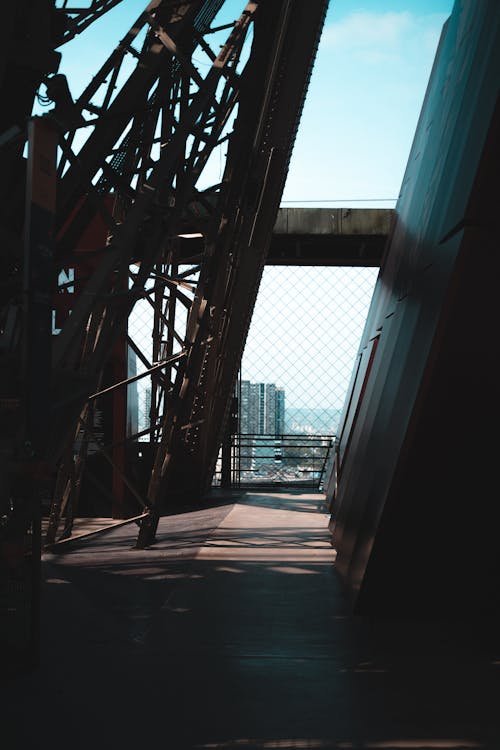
pixel 283 445
pixel 280 436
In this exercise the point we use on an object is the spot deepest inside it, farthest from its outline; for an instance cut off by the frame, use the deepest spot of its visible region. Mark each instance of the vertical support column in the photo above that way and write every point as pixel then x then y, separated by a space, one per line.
pixel 227 469
pixel 225 479
pixel 119 429
pixel 39 281
pixel 32 475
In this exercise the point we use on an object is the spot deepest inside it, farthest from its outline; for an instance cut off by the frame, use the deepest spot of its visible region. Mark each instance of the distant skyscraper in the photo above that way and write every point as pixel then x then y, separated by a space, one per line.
pixel 249 408
pixel 268 419
pixel 280 411
pixel 262 409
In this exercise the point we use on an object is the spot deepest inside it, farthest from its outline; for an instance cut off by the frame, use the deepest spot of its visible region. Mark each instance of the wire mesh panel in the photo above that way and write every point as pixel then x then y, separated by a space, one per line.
pixel 140 329
pixel 296 367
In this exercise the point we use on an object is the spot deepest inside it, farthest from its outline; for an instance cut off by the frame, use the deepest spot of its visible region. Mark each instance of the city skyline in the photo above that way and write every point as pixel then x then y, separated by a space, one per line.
pixel 281 419
pixel 263 411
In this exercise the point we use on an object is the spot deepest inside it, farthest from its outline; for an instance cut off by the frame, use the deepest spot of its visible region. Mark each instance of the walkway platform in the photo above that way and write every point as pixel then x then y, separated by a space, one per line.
pixel 233 631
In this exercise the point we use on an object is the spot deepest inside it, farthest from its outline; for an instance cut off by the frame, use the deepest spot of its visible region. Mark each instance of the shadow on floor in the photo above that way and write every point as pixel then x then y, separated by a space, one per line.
pixel 233 631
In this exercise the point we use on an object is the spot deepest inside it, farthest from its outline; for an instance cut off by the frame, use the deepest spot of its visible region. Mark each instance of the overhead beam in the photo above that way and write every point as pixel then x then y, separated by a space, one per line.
pixel 330 236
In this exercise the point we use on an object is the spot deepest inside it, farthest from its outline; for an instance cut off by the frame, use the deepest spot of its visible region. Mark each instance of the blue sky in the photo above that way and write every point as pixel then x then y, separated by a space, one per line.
pixel 364 100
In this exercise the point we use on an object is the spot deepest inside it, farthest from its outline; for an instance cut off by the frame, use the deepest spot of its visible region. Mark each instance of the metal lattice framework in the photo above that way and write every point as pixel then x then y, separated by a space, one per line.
pixel 194 254
pixel 76 18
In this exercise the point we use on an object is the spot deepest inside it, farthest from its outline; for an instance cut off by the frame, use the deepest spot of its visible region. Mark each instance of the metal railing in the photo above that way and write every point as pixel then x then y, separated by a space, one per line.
pixel 277 460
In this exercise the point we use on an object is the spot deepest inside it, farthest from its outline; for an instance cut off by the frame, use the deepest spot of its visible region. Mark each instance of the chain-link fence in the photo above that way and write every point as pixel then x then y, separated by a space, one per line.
pixel 295 371
pixel 298 360
pixel 140 330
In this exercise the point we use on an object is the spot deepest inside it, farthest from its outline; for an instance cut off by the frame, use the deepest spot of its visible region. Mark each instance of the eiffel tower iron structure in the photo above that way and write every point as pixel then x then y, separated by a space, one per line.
pixel 131 154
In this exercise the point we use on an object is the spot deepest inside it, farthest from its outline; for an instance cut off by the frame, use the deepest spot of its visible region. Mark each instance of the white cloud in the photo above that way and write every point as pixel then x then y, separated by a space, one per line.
pixel 383 37
pixel 368 30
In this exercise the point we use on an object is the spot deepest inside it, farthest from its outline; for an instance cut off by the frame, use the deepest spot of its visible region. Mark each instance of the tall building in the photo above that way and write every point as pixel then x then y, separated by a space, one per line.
pixel 280 411
pixel 262 409
pixel 249 408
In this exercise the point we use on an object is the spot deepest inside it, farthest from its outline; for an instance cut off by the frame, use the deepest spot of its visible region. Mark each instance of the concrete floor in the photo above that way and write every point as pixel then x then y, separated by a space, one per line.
pixel 233 631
